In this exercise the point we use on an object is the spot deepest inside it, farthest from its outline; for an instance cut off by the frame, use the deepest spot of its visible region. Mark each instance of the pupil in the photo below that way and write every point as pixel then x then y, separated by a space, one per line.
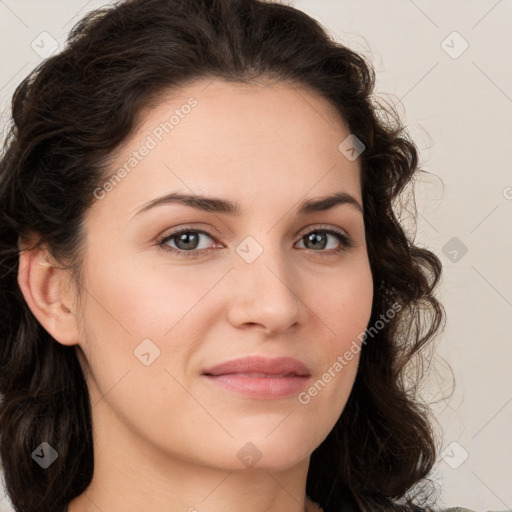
pixel 185 237
pixel 317 240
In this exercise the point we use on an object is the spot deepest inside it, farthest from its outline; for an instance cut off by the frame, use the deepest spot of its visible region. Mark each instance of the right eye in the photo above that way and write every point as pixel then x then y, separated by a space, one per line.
pixel 187 241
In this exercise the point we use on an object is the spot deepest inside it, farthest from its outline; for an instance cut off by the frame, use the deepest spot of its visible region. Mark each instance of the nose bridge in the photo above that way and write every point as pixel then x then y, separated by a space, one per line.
pixel 264 258
pixel 265 283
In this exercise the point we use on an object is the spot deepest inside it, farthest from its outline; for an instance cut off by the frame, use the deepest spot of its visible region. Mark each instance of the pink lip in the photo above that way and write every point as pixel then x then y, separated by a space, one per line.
pixel 261 377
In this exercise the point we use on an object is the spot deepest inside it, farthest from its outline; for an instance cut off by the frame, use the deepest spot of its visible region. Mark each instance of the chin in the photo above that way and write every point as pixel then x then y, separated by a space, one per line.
pixel 277 451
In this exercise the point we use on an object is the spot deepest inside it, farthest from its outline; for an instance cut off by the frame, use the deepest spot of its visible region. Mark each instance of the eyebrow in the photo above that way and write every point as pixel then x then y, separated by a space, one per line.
pixel 217 205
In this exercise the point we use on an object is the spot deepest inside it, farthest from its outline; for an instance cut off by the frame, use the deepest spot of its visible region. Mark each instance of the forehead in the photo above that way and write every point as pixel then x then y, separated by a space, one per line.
pixel 224 138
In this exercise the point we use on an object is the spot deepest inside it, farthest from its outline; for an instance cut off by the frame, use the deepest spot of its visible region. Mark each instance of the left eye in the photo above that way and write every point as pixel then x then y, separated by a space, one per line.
pixel 319 238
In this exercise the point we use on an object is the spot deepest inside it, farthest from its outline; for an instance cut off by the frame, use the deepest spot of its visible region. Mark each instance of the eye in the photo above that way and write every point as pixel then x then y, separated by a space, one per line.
pixel 187 241
pixel 319 239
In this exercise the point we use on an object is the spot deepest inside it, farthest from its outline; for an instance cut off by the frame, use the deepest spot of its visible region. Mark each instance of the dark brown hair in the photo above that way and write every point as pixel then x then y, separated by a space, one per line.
pixel 76 108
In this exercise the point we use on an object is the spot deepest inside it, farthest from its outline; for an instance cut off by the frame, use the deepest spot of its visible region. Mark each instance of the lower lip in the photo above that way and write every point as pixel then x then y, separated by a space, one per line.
pixel 261 387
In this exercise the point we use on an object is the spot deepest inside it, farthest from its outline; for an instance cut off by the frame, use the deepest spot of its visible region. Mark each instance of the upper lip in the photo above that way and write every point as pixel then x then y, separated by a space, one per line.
pixel 260 364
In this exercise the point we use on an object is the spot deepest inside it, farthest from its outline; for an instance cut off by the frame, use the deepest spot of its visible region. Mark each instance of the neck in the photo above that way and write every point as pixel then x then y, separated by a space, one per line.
pixel 130 476
pixel 197 490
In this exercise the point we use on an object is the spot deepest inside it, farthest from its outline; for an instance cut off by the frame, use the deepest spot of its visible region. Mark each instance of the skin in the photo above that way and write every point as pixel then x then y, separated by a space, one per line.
pixel 164 436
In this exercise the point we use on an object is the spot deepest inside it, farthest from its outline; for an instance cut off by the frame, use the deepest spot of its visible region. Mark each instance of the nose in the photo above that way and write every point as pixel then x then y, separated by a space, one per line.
pixel 266 294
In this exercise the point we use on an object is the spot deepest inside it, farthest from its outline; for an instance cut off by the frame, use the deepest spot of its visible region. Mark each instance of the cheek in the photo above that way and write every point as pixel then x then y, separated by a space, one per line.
pixel 155 314
pixel 345 306
pixel 135 342
pixel 137 301
pixel 344 312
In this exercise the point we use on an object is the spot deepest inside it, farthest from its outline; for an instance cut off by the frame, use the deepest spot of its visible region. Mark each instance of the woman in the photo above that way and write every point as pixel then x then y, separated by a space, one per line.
pixel 208 301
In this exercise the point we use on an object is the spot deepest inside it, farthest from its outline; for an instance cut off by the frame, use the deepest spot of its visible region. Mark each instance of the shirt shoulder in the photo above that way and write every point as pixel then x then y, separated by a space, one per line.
pixel 462 509
pixel 457 509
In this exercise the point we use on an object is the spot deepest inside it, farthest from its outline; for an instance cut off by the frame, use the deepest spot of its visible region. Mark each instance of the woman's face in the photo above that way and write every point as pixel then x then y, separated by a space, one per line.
pixel 247 283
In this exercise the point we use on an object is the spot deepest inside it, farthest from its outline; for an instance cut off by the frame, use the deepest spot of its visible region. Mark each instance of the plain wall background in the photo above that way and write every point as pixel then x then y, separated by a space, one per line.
pixel 457 103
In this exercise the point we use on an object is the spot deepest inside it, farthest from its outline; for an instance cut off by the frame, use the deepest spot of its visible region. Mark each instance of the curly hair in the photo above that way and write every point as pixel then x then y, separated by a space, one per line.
pixel 79 105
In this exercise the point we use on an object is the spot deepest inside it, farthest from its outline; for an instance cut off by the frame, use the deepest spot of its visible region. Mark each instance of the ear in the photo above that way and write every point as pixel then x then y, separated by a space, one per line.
pixel 43 285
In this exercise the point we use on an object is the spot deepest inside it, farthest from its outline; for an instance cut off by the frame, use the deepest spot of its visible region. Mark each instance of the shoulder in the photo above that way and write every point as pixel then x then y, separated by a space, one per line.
pixel 457 509
pixel 462 509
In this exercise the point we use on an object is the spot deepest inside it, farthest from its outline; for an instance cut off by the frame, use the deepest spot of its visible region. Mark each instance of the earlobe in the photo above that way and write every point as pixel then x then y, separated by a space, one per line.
pixel 42 285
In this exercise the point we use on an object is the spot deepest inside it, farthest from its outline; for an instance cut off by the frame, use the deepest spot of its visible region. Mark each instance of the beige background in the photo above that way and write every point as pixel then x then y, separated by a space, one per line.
pixel 457 103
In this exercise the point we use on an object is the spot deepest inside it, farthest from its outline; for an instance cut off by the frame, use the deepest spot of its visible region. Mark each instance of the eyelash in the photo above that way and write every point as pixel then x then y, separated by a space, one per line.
pixel 345 241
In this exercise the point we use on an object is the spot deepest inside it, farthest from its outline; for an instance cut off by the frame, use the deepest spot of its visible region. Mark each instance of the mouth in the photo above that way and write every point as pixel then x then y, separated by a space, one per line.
pixel 254 374
pixel 276 366
pixel 259 377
